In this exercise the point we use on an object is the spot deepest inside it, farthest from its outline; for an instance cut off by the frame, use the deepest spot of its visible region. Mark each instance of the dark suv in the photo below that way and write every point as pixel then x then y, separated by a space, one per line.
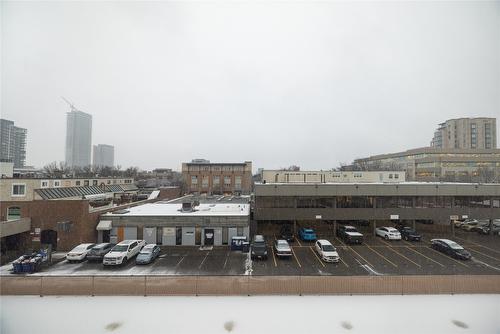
pixel 286 233
pixel 98 251
pixel 408 233
pixel 258 248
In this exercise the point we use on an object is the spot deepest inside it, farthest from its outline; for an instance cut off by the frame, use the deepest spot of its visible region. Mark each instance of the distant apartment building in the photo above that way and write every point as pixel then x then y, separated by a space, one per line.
pixel 287 176
pixel 104 155
pixel 78 138
pixel 432 164
pixel 466 133
pixel 202 177
pixel 12 143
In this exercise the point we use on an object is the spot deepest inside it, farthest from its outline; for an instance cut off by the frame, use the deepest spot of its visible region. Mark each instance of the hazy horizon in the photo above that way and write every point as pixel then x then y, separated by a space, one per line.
pixel 312 84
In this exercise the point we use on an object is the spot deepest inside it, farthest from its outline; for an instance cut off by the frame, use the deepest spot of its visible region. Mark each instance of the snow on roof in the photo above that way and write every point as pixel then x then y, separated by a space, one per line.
pixel 174 209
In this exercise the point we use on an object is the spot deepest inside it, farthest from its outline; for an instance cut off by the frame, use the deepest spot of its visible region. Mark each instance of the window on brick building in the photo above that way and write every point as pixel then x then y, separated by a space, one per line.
pixel 18 190
pixel 13 213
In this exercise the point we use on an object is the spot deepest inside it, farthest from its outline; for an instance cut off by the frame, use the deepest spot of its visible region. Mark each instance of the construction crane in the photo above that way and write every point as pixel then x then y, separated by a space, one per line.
pixel 70 104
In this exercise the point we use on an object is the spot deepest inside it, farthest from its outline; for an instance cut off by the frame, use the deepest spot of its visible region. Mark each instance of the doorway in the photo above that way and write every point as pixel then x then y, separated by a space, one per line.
pixel 209 237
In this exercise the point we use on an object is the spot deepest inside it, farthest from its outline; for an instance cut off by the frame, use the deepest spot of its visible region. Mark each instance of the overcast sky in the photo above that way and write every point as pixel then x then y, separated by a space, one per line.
pixel 277 83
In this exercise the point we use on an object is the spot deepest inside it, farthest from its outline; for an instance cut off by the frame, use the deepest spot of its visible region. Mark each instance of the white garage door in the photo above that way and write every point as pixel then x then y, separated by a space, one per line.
pixel 129 233
pixel 149 235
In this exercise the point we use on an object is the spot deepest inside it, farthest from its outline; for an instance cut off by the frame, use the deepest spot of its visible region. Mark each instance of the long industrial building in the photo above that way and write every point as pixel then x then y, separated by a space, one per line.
pixel 186 221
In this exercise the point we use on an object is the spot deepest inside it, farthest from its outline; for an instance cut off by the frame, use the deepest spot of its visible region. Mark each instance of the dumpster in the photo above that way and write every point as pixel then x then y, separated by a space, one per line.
pixel 245 246
pixel 28 263
pixel 237 243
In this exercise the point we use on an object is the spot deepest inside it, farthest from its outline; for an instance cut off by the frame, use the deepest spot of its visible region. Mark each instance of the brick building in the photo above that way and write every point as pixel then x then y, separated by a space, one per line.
pixel 202 177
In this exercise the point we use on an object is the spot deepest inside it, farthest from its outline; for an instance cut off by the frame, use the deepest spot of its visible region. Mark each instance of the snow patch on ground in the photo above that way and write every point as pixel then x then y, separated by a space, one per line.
pixel 248 265
pixel 441 314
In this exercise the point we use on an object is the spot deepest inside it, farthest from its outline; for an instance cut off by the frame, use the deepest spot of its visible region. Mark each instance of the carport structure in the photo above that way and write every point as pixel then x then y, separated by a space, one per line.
pixel 321 204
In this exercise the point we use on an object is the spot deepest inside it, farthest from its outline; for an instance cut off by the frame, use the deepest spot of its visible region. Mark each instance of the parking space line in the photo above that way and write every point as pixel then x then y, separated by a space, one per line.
pixel 316 255
pixel 385 242
pixel 203 261
pixel 340 241
pixel 463 264
pixel 298 241
pixel 361 256
pixel 403 256
pixel 225 262
pixel 344 262
pixel 373 250
pixel 406 242
pixel 494 258
pixel 295 256
pixel 410 248
pixel 274 258
pixel 475 243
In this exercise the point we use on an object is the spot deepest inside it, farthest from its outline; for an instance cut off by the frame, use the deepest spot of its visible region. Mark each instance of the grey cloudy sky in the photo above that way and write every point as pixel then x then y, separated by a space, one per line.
pixel 278 83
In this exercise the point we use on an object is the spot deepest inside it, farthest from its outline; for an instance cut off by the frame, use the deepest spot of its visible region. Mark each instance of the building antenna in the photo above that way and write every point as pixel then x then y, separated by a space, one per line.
pixel 70 104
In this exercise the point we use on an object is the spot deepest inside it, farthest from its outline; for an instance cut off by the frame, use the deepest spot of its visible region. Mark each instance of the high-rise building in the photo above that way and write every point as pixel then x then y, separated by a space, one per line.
pixel 78 138
pixel 104 155
pixel 12 143
pixel 466 133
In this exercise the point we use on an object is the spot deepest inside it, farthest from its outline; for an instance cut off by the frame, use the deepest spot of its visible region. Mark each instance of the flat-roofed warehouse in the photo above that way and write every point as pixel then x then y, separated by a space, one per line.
pixel 315 203
pixel 188 221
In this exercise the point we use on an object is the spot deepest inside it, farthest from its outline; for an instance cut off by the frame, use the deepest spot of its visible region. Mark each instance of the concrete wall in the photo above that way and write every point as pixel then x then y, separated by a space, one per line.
pixel 248 285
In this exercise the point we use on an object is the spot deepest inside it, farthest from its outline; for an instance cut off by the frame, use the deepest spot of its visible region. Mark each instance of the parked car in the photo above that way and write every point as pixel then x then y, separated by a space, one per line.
pixel 408 233
pixel 486 229
pixel 97 252
pixel 469 225
pixel 450 248
pixel 349 234
pixel 282 248
pixel 258 248
pixel 326 251
pixel 79 253
pixel 307 234
pixel 147 254
pixel 122 252
pixel 480 225
pixel 286 233
pixel 388 233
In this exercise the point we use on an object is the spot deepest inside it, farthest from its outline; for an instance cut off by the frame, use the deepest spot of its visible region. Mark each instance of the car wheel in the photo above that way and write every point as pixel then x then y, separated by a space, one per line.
pixel 406 238
pixel 386 237
pixel 124 261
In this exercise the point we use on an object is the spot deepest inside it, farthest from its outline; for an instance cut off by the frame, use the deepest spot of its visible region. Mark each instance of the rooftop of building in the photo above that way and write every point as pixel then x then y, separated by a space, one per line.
pixel 206 207
pixel 431 150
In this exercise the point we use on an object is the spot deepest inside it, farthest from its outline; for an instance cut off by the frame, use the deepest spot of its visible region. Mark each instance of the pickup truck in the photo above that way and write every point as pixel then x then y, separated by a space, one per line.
pixel 123 252
pixel 349 234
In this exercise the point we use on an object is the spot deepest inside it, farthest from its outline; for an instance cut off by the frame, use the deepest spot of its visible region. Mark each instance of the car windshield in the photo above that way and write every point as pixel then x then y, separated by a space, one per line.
pixel 350 229
pixel 307 230
pixel 79 248
pixel 259 245
pixel 282 243
pixel 454 245
pixel 328 248
pixel 120 248
pixel 145 252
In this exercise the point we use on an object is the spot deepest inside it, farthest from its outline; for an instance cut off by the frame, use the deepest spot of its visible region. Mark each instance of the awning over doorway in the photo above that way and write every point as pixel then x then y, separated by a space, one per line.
pixel 104 225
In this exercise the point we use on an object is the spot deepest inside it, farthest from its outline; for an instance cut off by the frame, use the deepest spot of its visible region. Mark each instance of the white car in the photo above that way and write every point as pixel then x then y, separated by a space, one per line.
pixel 388 233
pixel 123 252
pixel 326 251
pixel 282 248
pixel 79 253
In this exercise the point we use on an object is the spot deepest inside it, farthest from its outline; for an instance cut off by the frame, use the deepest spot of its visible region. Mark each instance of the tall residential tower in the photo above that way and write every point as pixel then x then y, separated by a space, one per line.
pixel 78 138
pixel 104 155
pixel 466 133
pixel 12 143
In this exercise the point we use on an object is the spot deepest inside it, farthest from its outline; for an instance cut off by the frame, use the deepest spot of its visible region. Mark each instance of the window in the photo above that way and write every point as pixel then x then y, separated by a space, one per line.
pixel 390 176
pixel 78 182
pixel 237 182
pixel 57 183
pixel 396 176
pixel 86 183
pixel 227 181
pixel 204 182
pixel 94 182
pixel 216 181
pixel 44 184
pixel 18 190
pixel 13 213
pixel 194 179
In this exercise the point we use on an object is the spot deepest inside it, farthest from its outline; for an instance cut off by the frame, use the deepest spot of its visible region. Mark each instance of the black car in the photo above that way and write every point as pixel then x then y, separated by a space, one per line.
pixel 286 233
pixel 98 251
pixel 450 248
pixel 409 234
pixel 258 249
pixel 349 234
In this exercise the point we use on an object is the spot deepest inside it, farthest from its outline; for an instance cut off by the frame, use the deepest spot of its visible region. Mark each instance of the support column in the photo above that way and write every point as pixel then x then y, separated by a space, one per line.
pixel 374 221
pixel 414 225
pixel 452 227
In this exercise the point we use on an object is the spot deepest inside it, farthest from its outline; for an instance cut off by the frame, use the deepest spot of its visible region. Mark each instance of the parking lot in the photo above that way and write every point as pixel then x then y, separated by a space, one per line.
pixel 375 256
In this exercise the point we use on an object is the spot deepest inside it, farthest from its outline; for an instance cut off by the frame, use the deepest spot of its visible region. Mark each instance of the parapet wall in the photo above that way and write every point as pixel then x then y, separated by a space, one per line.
pixel 248 285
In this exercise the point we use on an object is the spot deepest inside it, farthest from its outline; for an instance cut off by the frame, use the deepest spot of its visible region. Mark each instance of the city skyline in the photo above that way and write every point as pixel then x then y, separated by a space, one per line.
pixel 316 90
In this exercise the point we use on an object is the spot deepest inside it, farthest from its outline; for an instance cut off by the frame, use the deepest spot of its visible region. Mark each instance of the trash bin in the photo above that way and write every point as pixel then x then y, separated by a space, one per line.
pixel 245 246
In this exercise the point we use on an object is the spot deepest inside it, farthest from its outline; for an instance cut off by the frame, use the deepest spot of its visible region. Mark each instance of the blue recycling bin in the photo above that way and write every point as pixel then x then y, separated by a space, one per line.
pixel 237 243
